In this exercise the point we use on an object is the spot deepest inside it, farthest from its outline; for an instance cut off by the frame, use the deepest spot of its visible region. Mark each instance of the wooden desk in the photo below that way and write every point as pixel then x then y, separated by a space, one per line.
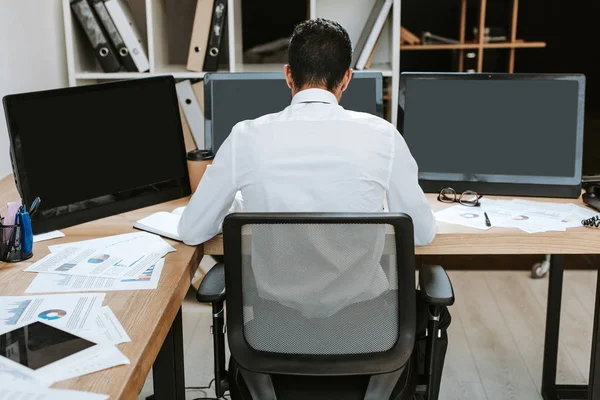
pixel 458 240
pixel 152 318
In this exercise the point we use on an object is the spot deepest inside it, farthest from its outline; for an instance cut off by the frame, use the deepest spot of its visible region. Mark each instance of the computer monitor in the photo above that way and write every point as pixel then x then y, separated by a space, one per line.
pixel 97 150
pixel 230 98
pixel 503 134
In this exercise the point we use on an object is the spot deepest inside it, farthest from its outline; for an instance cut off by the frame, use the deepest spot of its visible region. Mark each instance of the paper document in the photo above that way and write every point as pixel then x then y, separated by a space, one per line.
pixel 471 217
pixel 16 374
pixel 107 329
pixel 529 216
pixel 87 361
pixel 47 236
pixel 60 283
pixel 118 244
pixel 94 262
pixel 72 312
pixel 90 360
pixel 26 392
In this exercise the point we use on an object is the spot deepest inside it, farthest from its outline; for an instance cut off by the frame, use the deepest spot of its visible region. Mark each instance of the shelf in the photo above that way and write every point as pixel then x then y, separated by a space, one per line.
pixel 112 75
pixel 164 30
pixel 178 72
pixel 138 75
pixel 385 69
pixel 471 45
pixel 258 68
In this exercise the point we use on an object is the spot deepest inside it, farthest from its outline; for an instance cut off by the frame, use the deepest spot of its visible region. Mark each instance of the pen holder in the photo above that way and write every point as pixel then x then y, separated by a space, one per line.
pixel 11 242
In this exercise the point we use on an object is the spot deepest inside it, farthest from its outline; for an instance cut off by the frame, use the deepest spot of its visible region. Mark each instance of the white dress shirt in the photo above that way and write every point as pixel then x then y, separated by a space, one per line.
pixel 314 156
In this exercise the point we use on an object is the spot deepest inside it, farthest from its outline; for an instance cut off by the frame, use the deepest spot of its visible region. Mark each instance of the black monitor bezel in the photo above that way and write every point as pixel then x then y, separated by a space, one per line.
pixel 548 186
pixel 155 193
pixel 228 76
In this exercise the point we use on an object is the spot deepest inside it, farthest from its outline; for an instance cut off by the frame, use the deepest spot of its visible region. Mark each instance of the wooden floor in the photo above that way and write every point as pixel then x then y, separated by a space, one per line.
pixel 496 336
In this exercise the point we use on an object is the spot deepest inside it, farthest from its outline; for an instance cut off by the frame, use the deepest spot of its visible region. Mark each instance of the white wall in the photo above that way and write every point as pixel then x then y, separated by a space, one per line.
pixel 32 54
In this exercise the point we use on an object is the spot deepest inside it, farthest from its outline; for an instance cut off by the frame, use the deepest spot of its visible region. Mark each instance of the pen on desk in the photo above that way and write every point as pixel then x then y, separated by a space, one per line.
pixel 487 220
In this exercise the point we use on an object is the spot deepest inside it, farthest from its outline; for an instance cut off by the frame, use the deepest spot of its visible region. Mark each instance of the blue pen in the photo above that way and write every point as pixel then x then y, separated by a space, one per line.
pixel 26 232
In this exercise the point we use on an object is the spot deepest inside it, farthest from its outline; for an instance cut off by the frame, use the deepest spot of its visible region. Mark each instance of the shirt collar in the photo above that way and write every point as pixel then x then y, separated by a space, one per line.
pixel 314 95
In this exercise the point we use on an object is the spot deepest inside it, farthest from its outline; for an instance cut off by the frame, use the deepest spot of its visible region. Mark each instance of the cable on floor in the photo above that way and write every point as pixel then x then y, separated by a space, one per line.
pixel 225 397
pixel 200 387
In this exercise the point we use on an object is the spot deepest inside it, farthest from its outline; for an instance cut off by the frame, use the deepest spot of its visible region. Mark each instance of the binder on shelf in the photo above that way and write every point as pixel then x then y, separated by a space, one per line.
pixel 192 109
pixel 180 17
pixel 199 37
pixel 215 36
pixel 102 49
pixel 121 50
pixel 370 33
pixel 123 19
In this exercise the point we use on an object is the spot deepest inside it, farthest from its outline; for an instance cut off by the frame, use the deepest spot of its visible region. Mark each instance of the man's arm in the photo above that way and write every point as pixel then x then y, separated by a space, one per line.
pixel 203 217
pixel 405 195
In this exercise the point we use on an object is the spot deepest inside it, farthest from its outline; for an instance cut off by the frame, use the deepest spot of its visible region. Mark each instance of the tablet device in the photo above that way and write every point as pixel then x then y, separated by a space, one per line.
pixel 37 345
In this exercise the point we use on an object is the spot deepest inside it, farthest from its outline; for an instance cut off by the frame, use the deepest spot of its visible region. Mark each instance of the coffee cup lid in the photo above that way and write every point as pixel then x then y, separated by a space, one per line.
pixel 200 155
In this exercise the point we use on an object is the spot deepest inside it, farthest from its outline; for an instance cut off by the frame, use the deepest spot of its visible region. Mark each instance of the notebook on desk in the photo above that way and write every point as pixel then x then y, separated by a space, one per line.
pixel 162 223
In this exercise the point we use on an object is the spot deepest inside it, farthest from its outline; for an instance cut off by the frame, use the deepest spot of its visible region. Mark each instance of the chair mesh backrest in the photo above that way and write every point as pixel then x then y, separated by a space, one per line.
pixel 319 289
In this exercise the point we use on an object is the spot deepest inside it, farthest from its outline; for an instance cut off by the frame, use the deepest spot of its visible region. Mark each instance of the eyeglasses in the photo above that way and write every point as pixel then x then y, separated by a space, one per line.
pixel 467 198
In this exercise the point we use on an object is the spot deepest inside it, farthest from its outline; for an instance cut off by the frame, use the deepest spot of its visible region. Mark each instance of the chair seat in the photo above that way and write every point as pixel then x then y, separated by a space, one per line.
pixel 290 387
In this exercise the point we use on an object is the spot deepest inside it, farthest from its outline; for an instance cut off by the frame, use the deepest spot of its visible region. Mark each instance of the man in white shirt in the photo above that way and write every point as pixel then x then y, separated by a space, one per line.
pixel 313 156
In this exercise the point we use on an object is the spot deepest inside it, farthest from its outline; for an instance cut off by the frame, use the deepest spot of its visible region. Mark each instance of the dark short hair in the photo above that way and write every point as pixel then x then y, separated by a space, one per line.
pixel 319 53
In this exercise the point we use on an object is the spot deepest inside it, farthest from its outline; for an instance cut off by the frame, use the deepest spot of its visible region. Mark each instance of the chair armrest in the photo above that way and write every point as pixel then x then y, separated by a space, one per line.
pixel 212 287
pixel 435 285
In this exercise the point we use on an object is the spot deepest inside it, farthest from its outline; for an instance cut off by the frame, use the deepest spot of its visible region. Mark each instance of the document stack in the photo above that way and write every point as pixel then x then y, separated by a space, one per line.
pixel 132 261
pixel 113 34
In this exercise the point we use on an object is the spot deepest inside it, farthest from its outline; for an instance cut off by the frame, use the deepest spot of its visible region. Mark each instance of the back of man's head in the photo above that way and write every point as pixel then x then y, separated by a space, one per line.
pixel 319 54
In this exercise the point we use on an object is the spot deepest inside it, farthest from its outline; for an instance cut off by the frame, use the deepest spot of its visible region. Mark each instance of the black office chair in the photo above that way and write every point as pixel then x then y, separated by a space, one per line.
pixel 322 306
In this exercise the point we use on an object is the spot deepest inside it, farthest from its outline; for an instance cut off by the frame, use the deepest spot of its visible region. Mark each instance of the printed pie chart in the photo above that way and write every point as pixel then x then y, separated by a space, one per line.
pixel 51 315
pixel 469 215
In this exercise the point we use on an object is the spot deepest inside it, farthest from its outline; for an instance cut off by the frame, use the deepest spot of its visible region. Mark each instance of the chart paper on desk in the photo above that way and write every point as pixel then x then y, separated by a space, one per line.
pixel 528 216
pixel 12 373
pixel 471 217
pixel 90 360
pixel 19 389
pixel 60 283
pixel 71 312
pixel 126 243
pixel 98 262
pixel 31 393
pixel 107 329
pixel 84 362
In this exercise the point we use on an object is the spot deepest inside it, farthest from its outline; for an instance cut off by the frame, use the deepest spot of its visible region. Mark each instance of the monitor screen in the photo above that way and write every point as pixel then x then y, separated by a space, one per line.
pixel 97 150
pixel 494 128
pixel 232 98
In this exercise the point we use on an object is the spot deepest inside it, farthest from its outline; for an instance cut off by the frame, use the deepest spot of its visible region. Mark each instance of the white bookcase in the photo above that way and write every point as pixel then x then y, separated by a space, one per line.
pixel 152 21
